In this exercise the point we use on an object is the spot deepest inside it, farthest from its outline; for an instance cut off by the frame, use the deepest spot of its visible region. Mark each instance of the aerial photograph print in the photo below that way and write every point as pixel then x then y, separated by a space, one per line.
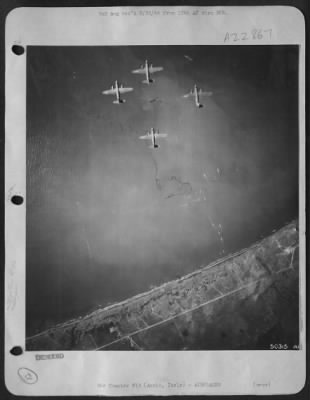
pixel 162 198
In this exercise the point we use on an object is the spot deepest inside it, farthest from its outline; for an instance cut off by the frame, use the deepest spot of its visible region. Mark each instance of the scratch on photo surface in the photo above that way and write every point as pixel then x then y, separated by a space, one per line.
pixel 92 339
pixel 188 57
pixel 157 180
pixel 133 343
pixel 84 233
pixel 218 229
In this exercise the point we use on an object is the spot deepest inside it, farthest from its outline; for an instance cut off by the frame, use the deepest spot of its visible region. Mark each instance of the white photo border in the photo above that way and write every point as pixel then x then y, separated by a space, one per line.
pixel 116 372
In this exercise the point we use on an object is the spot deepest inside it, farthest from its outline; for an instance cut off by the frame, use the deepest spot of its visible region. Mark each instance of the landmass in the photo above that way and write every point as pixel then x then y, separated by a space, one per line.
pixel 248 300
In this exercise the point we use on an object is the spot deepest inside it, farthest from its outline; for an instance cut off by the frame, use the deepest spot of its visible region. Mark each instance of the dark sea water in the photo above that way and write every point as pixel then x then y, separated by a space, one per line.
pixel 108 217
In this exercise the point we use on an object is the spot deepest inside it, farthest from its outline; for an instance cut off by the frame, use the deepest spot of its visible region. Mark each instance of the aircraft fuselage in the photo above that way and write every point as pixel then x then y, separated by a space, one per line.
pixel 147 73
pixel 196 94
pixel 118 97
pixel 153 138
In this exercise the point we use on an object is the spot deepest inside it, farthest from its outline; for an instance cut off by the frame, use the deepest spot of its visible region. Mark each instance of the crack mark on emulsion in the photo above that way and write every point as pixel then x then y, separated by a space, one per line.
pixel 157 180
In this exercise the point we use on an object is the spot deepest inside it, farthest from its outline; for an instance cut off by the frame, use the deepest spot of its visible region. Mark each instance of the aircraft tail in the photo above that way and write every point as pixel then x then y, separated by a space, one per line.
pixel 148 81
pixel 154 147
pixel 120 101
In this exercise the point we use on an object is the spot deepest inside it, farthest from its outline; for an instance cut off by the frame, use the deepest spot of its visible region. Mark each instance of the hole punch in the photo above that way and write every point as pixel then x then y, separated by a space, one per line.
pixel 18 50
pixel 17 200
pixel 16 351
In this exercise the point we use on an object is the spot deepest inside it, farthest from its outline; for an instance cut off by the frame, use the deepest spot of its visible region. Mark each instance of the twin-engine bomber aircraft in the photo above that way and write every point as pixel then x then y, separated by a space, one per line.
pixel 118 90
pixel 152 135
pixel 147 70
pixel 196 93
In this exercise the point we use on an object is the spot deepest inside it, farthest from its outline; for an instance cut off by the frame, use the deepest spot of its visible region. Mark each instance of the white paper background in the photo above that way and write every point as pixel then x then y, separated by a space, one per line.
pixel 93 373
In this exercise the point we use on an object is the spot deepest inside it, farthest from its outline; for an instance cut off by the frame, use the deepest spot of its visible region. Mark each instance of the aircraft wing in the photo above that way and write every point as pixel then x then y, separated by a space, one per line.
pixel 125 89
pixel 109 91
pixel 188 94
pixel 155 69
pixel 139 71
pixel 145 137
pixel 161 135
pixel 201 93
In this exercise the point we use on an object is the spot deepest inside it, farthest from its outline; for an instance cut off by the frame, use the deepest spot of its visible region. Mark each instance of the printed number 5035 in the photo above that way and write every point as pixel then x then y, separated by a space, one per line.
pixel 278 346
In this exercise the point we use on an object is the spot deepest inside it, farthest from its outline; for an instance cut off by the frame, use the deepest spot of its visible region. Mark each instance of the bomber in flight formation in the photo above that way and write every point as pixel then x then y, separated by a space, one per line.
pixel 152 135
pixel 117 91
pixel 196 93
pixel 147 70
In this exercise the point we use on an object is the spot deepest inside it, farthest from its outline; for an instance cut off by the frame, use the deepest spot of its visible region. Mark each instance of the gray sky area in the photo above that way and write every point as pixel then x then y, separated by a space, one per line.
pixel 108 217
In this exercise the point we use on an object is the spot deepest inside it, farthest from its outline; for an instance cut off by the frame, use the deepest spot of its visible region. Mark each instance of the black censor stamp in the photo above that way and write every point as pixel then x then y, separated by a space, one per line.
pixel 40 357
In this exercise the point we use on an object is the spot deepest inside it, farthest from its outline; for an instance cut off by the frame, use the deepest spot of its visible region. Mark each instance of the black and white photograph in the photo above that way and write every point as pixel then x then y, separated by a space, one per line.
pixel 155 208
pixel 162 192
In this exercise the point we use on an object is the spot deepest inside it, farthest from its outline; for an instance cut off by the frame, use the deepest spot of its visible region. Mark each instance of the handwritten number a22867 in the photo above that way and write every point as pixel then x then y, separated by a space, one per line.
pixel 235 37
pixel 255 34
